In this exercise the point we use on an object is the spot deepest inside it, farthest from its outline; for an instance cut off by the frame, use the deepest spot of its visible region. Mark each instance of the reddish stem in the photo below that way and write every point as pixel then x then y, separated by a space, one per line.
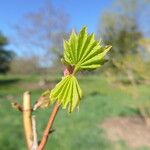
pixel 43 142
pixel 49 125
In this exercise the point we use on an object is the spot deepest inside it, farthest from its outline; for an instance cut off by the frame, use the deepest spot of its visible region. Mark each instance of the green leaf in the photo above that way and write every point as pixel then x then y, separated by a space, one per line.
pixel 83 52
pixel 67 92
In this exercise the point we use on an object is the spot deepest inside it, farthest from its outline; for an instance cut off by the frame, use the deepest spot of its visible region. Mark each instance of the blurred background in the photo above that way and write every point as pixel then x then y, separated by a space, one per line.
pixel 115 111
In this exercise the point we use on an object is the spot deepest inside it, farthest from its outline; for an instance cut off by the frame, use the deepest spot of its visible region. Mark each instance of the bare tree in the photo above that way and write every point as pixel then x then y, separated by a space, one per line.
pixel 41 32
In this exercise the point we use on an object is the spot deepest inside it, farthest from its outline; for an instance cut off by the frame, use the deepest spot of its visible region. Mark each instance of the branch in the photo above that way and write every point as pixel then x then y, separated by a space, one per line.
pixel 27 119
pixel 48 127
pixel 35 140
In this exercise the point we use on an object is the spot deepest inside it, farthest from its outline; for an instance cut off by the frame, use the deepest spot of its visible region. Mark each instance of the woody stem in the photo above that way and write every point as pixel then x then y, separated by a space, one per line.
pixel 48 127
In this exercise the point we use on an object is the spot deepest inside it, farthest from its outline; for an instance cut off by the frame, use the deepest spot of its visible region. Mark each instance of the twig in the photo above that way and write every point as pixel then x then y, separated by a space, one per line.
pixel 27 119
pixel 35 140
pixel 48 127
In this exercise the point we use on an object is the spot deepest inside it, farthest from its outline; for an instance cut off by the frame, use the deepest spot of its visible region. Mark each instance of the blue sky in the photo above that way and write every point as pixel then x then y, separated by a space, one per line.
pixel 81 12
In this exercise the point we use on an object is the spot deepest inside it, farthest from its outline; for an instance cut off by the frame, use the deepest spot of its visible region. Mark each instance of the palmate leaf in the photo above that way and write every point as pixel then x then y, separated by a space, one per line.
pixel 67 92
pixel 83 52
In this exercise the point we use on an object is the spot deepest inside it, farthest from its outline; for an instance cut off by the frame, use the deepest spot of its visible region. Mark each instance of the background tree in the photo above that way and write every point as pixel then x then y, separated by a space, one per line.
pixel 5 55
pixel 41 32
pixel 121 27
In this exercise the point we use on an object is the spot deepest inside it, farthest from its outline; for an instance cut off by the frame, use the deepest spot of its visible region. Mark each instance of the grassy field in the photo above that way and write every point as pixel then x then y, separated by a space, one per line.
pixel 77 131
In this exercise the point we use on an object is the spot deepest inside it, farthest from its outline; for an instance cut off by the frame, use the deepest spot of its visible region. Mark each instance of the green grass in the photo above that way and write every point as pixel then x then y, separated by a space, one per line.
pixel 79 130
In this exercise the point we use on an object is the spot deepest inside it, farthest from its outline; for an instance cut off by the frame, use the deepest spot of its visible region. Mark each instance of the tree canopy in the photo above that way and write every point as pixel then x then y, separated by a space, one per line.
pixel 5 55
pixel 121 28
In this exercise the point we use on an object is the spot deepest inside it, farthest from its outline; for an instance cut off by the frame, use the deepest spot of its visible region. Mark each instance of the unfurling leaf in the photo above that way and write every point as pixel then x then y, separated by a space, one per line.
pixel 82 51
pixel 43 101
pixel 67 92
